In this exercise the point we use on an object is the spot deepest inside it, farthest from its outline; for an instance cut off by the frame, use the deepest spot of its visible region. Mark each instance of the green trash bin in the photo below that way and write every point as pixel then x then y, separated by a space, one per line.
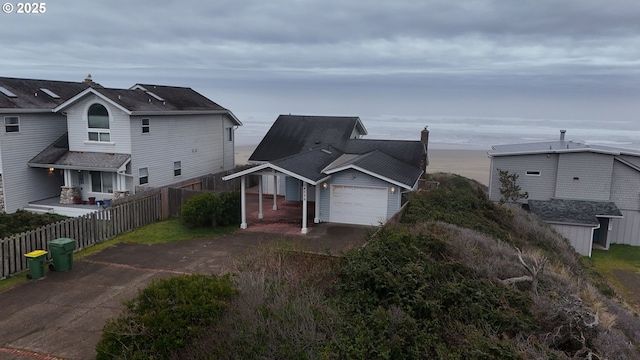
pixel 35 261
pixel 62 254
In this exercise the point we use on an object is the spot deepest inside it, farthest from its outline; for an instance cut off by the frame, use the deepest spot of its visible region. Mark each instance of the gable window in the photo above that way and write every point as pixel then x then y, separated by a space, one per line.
pixel 98 122
pixel 229 134
pixel 145 126
pixel 533 172
pixel 101 182
pixel 11 124
pixel 177 168
pixel 143 174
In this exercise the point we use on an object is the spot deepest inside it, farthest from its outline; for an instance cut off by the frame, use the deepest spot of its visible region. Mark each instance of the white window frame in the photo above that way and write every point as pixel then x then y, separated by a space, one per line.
pixel 99 133
pixel 533 173
pixel 177 168
pixel 229 134
pixel 146 126
pixel 143 176
pixel 17 125
pixel 103 175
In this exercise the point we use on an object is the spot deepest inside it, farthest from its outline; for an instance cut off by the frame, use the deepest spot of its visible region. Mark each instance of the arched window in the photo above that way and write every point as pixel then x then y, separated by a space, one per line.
pixel 98 121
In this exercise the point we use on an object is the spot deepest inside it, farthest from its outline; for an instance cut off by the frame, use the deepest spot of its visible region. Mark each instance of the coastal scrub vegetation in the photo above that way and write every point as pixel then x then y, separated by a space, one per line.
pixel 22 221
pixel 459 278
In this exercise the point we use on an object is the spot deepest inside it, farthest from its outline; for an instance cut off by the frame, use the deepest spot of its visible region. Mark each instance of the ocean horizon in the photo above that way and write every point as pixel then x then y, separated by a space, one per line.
pixel 472 133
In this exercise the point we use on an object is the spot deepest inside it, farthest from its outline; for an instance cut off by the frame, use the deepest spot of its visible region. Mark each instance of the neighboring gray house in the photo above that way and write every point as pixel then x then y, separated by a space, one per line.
pixel 83 142
pixel 589 193
pixel 324 160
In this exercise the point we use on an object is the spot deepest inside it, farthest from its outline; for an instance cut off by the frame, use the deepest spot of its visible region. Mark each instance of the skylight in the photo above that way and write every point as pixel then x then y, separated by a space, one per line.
pixel 50 93
pixel 155 96
pixel 7 92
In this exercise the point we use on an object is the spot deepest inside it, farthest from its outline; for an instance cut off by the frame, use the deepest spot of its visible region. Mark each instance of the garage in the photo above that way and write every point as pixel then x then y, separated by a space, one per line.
pixel 358 205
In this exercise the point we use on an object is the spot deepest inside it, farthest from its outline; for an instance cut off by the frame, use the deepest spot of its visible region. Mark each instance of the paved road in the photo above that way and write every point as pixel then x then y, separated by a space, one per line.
pixel 61 316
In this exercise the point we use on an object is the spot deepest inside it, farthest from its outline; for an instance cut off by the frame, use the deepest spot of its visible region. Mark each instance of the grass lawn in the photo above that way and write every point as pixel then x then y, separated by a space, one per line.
pixel 619 258
pixel 171 230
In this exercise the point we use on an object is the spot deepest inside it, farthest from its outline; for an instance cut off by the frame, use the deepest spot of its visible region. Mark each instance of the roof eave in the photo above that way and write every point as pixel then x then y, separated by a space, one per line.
pixel 86 92
pixel 25 111
pixel 370 173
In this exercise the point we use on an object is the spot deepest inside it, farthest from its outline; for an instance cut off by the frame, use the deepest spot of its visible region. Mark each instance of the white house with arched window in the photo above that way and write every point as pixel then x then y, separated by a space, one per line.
pixel 85 143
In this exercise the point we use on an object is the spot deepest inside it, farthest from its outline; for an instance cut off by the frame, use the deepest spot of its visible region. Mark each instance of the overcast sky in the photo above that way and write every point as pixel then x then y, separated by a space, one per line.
pixel 574 59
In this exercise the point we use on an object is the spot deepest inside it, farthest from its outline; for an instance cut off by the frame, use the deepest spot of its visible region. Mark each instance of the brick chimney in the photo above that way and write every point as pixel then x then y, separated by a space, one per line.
pixel 88 79
pixel 424 138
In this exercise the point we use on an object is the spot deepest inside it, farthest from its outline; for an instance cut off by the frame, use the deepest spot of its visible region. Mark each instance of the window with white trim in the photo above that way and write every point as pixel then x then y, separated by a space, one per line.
pixel 143 175
pixel 229 134
pixel 146 126
pixel 101 182
pixel 11 124
pixel 177 168
pixel 98 123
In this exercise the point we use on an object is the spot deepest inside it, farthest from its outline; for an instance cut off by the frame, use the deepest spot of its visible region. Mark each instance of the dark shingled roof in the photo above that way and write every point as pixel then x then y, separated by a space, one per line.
pixel 578 212
pixel 293 134
pixel 384 165
pixel 173 99
pixel 406 151
pixel 57 155
pixel 309 164
pixel 29 95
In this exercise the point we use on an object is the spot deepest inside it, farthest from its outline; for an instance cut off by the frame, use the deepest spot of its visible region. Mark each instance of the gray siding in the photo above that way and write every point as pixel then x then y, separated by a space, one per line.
pixel 361 179
pixel 539 187
pixel 580 237
pixel 585 176
pixel 119 128
pixel 627 229
pixel 23 184
pixel 197 141
pixel 292 189
pixel 229 146
pixel 625 187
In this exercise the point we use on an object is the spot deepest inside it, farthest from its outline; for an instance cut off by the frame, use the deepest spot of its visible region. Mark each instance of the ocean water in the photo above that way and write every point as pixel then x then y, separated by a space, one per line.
pixel 474 133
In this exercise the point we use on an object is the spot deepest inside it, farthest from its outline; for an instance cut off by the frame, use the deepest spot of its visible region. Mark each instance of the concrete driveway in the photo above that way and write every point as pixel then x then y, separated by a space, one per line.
pixel 61 316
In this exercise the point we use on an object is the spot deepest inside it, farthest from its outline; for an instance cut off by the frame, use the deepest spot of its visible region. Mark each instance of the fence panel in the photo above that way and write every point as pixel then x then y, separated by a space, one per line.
pixel 87 230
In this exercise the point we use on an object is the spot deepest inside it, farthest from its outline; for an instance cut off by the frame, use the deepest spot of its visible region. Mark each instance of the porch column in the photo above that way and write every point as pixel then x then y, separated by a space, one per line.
pixel 260 214
pixel 67 178
pixel 316 218
pixel 304 208
pixel 243 202
pixel 275 192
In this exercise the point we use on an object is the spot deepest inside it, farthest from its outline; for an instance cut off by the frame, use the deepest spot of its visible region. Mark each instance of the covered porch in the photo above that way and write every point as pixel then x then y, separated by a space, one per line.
pixel 53 206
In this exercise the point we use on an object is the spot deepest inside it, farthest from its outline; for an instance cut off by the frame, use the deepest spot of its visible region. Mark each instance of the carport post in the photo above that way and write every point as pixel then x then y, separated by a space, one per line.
pixel 304 207
pixel 260 214
pixel 275 192
pixel 243 201
pixel 316 218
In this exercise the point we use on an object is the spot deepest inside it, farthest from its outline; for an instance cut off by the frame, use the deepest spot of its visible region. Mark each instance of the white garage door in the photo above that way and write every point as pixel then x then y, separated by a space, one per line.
pixel 358 205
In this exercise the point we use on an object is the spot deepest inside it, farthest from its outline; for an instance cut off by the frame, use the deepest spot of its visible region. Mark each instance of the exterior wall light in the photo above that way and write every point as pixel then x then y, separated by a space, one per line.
pixel 393 189
pixel 325 186
pixel 51 170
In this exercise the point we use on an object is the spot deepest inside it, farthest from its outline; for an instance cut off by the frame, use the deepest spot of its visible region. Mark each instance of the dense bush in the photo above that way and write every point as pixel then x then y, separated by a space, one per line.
pixel 209 209
pixel 22 221
pixel 201 210
pixel 165 317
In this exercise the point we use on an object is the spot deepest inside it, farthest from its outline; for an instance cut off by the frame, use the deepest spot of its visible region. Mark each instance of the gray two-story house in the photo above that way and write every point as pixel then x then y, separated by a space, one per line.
pixel 82 142
pixel 588 193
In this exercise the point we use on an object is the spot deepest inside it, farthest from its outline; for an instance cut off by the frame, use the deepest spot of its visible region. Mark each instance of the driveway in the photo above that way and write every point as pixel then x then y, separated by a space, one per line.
pixel 61 316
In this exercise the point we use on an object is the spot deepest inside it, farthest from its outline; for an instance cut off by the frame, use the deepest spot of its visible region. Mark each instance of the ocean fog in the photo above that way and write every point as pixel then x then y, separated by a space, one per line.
pixel 471 133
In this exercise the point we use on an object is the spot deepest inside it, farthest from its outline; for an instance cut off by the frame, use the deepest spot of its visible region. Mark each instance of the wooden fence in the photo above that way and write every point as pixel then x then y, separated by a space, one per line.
pixel 87 230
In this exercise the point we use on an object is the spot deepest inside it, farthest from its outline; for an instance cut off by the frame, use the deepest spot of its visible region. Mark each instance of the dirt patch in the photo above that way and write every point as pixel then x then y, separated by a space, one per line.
pixel 631 282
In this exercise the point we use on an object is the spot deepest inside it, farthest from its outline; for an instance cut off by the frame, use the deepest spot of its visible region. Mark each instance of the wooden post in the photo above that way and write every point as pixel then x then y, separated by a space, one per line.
pixel 304 208
pixel 243 201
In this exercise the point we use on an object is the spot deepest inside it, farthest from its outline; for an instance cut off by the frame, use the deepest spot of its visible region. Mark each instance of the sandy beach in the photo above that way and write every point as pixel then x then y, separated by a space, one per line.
pixel 473 164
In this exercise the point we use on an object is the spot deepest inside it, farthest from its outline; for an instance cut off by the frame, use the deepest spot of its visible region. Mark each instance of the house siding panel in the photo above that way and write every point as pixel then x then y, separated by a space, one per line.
pixel 23 184
pixel 346 178
pixel 539 187
pixel 626 230
pixel 197 141
pixel 119 128
pixel 584 176
pixel 580 237
pixel 229 146
pixel 625 187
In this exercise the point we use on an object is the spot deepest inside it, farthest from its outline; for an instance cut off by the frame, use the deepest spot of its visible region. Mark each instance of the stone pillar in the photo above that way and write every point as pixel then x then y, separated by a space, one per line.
pixel 1 195
pixel 68 194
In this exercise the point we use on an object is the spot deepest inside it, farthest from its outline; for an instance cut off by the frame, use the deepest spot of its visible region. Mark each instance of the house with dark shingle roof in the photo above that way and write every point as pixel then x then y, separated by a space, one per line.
pixel 326 161
pixel 589 193
pixel 82 142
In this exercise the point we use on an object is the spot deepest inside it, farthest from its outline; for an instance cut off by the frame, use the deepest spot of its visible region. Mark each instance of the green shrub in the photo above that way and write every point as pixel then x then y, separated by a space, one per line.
pixel 22 221
pixel 201 210
pixel 165 317
pixel 229 213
